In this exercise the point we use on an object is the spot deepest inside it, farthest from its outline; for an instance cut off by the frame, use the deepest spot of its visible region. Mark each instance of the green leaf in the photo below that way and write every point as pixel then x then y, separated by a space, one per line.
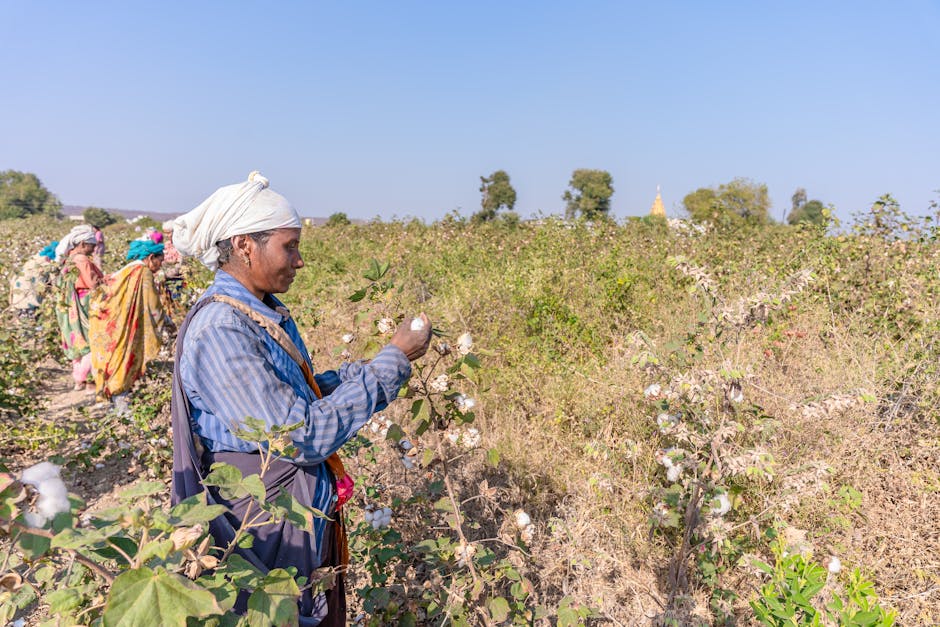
pixel 395 433
pixel 232 485
pixel 141 490
pixel 444 505
pixel 275 601
pixel 156 548
pixel 427 456
pixel 242 572
pixel 299 515
pixel 139 596
pixel 78 538
pixel 499 609
pixel 33 547
pixel 195 510
pixel 492 457
pixel 567 617
pixel 63 600
pixel 358 295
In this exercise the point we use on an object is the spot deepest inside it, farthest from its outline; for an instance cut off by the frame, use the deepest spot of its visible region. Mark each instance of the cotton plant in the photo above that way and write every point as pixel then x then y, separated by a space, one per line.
pixel 113 566
pixel 429 440
pixel 708 459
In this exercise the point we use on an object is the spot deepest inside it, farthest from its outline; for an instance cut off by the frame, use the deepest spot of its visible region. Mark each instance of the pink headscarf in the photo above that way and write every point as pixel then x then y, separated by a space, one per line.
pixel 157 237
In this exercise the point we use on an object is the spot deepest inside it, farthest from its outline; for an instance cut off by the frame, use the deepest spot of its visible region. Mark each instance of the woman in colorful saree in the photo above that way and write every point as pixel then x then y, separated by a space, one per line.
pixel 126 320
pixel 27 289
pixel 240 354
pixel 79 276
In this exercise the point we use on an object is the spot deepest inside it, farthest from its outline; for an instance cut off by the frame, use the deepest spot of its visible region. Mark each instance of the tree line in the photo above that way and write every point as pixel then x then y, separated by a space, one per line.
pixel 588 197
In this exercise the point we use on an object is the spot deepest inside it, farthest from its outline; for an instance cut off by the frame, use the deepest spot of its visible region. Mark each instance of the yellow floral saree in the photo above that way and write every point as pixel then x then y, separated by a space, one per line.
pixel 125 320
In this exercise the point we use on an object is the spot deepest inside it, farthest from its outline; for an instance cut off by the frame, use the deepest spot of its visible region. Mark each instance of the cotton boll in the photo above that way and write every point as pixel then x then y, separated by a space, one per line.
pixel 34 520
pixel 387 512
pixel 652 390
pixel 464 403
pixel 440 383
pixel 385 325
pixel 407 462
pixel 348 338
pixel 34 475
pixel 405 444
pixel 369 515
pixel 834 565
pixel 522 519
pixel 376 524
pixel 721 505
pixel 464 343
pixel 673 473
pixel 417 324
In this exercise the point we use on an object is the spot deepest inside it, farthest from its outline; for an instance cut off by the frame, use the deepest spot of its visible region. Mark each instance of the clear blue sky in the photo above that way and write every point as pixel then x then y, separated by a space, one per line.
pixel 396 108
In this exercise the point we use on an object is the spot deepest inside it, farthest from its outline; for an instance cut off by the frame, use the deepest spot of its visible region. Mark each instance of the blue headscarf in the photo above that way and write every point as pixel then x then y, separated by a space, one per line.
pixel 141 249
pixel 49 251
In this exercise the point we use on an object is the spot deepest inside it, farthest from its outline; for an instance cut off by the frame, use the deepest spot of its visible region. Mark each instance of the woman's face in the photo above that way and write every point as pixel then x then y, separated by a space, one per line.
pixel 274 265
pixel 154 262
pixel 86 248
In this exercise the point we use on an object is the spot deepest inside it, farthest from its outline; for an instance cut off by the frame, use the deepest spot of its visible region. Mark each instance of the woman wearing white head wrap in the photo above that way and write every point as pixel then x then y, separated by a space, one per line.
pixel 239 209
pixel 240 354
pixel 81 234
pixel 78 278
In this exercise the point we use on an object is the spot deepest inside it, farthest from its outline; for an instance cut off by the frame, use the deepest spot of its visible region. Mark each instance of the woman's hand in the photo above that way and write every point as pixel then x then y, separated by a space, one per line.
pixel 414 344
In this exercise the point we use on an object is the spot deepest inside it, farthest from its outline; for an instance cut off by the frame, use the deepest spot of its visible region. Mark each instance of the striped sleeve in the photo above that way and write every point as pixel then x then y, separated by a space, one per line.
pixel 233 375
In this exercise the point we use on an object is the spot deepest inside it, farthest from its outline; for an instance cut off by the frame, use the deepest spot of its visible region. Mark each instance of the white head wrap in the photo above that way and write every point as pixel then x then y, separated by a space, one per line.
pixel 232 210
pixel 81 234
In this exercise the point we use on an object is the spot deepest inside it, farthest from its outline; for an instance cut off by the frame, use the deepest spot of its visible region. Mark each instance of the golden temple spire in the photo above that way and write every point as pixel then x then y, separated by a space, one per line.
pixel 658 209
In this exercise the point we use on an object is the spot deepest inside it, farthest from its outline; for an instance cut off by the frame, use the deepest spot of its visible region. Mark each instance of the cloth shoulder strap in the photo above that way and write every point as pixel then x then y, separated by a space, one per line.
pixel 277 333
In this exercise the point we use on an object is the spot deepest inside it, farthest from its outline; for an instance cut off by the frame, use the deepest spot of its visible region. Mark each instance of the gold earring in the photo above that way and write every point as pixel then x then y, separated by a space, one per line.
pixel 247 260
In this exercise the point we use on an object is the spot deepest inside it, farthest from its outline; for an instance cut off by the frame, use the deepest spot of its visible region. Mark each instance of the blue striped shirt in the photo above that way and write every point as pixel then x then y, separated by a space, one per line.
pixel 232 368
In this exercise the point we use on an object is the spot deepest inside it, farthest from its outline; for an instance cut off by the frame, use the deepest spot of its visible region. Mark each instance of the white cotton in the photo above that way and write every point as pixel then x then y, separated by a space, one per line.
pixel 440 383
pixel 471 438
pixel 239 209
pixel 835 564
pixel 673 473
pixel 652 390
pixel 464 403
pixel 34 475
pixel 385 325
pixel 348 338
pixel 53 498
pixel 722 506
pixel 522 519
pixel 407 462
pixel 417 324
pixel 405 444
pixel 665 422
pixel 376 523
pixel 369 515
pixel 453 436
pixel 464 343
pixel 34 520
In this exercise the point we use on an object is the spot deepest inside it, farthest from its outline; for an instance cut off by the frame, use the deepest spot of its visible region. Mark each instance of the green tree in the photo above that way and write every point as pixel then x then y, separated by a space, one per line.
pixel 98 217
pixel 23 194
pixel 337 219
pixel 589 194
pixel 498 193
pixel 812 212
pixel 741 199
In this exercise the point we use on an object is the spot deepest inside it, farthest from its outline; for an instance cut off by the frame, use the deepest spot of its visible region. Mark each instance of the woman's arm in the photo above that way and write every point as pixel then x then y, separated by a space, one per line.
pixel 229 368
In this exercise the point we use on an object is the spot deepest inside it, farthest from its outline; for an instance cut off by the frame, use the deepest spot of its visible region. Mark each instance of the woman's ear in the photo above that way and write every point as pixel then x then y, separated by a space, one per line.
pixel 241 245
